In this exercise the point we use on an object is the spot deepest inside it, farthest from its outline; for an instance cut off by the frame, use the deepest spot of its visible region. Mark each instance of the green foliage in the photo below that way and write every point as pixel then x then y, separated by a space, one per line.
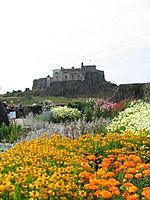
pixel 10 133
pixel 89 108
pixel 37 92
pixel 4 132
pixel 80 105
pixel 15 132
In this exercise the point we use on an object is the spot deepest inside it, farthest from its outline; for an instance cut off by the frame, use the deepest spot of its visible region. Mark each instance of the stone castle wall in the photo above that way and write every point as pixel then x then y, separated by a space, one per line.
pixel 83 81
pixel 73 74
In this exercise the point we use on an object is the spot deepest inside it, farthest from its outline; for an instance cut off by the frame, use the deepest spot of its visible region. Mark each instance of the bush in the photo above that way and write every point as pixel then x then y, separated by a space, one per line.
pixel 103 108
pixel 78 105
pixel 89 108
pixel 135 117
pixel 99 108
pixel 62 114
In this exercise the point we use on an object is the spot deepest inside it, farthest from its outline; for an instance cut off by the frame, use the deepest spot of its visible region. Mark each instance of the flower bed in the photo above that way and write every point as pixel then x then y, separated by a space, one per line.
pixel 112 166
pixel 135 117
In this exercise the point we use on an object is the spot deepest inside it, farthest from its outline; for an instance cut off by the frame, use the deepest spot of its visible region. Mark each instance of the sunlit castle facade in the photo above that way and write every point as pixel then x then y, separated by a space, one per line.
pixel 71 74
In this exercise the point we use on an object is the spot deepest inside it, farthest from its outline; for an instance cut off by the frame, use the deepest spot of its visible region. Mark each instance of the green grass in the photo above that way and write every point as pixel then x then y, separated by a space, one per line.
pixel 38 99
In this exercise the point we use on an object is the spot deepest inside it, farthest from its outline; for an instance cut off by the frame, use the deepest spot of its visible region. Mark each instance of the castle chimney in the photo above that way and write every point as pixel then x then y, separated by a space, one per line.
pixel 72 67
pixel 82 64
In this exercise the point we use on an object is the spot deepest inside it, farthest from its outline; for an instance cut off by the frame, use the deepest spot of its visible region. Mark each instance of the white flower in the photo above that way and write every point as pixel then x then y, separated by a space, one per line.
pixel 136 117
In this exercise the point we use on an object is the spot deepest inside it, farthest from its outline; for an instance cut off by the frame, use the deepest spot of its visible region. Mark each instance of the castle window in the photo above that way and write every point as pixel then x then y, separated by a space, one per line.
pixel 65 76
pixel 72 76
pixel 78 76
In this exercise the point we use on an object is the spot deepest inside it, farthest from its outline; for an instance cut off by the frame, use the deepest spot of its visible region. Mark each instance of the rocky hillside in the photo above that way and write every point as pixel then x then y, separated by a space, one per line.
pixel 131 91
pixel 91 86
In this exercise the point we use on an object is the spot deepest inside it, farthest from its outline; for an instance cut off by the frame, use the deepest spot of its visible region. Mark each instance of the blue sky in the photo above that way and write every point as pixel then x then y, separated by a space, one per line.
pixel 38 36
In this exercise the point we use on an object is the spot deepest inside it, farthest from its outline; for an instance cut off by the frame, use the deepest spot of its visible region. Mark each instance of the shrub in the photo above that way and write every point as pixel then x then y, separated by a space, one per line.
pixel 77 104
pixel 103 108
pixel 89 108
pixel 119 106
pixel 62 114
pixel 135 117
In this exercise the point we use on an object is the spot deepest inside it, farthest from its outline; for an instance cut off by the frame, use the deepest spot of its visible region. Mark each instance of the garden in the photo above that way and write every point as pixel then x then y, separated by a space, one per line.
pixel 92 150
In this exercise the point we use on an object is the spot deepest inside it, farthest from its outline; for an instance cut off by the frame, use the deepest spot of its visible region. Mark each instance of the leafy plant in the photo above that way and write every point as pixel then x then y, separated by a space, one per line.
pixel 80 105
pixel 62 114
pixel 15 132
pixel 10 133
pixel 89 108
pixel 4 132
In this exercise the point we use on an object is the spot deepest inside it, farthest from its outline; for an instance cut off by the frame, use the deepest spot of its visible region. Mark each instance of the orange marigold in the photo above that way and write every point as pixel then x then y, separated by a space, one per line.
pixel 131 170
pixel 94 181
pixel 116 192
pixel 101 172
pixel 146 172
pixel 91 157
pixel 135 158
pixel 146 192
pixel 117 163
pixel 117 170
pixel 112 188
pixel 133 197
pixel 103 182
pixel 106 194
pixel 113 181
pixel 129 164
pixel 110 174
pixel 128 176
pixel 127 184
pixel 125 195
pixel 138 175
pixel 97 193
pixel 92 176
pixel 121 158
pixel 90 187
pixel 84 174
pixel 132 189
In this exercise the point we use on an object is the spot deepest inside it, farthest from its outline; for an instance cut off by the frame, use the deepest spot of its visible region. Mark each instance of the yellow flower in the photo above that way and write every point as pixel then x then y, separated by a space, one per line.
pixel 82 193
pixel 34 194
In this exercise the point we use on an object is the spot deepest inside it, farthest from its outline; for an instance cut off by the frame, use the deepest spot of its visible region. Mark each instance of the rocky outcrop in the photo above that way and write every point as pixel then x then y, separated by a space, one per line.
pixel 91 86
pixel 131 91
pixel 84 81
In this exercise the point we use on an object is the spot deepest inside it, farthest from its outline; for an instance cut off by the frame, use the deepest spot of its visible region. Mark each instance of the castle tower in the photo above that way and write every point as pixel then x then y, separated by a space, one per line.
pixel 48 81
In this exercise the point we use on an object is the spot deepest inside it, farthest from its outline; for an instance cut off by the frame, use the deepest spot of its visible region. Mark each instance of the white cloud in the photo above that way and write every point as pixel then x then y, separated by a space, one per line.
pixel 38 36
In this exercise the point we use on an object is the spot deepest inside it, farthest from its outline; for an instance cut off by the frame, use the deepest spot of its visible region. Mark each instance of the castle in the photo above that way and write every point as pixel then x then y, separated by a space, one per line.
pixel 84 81
pixel 73 74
